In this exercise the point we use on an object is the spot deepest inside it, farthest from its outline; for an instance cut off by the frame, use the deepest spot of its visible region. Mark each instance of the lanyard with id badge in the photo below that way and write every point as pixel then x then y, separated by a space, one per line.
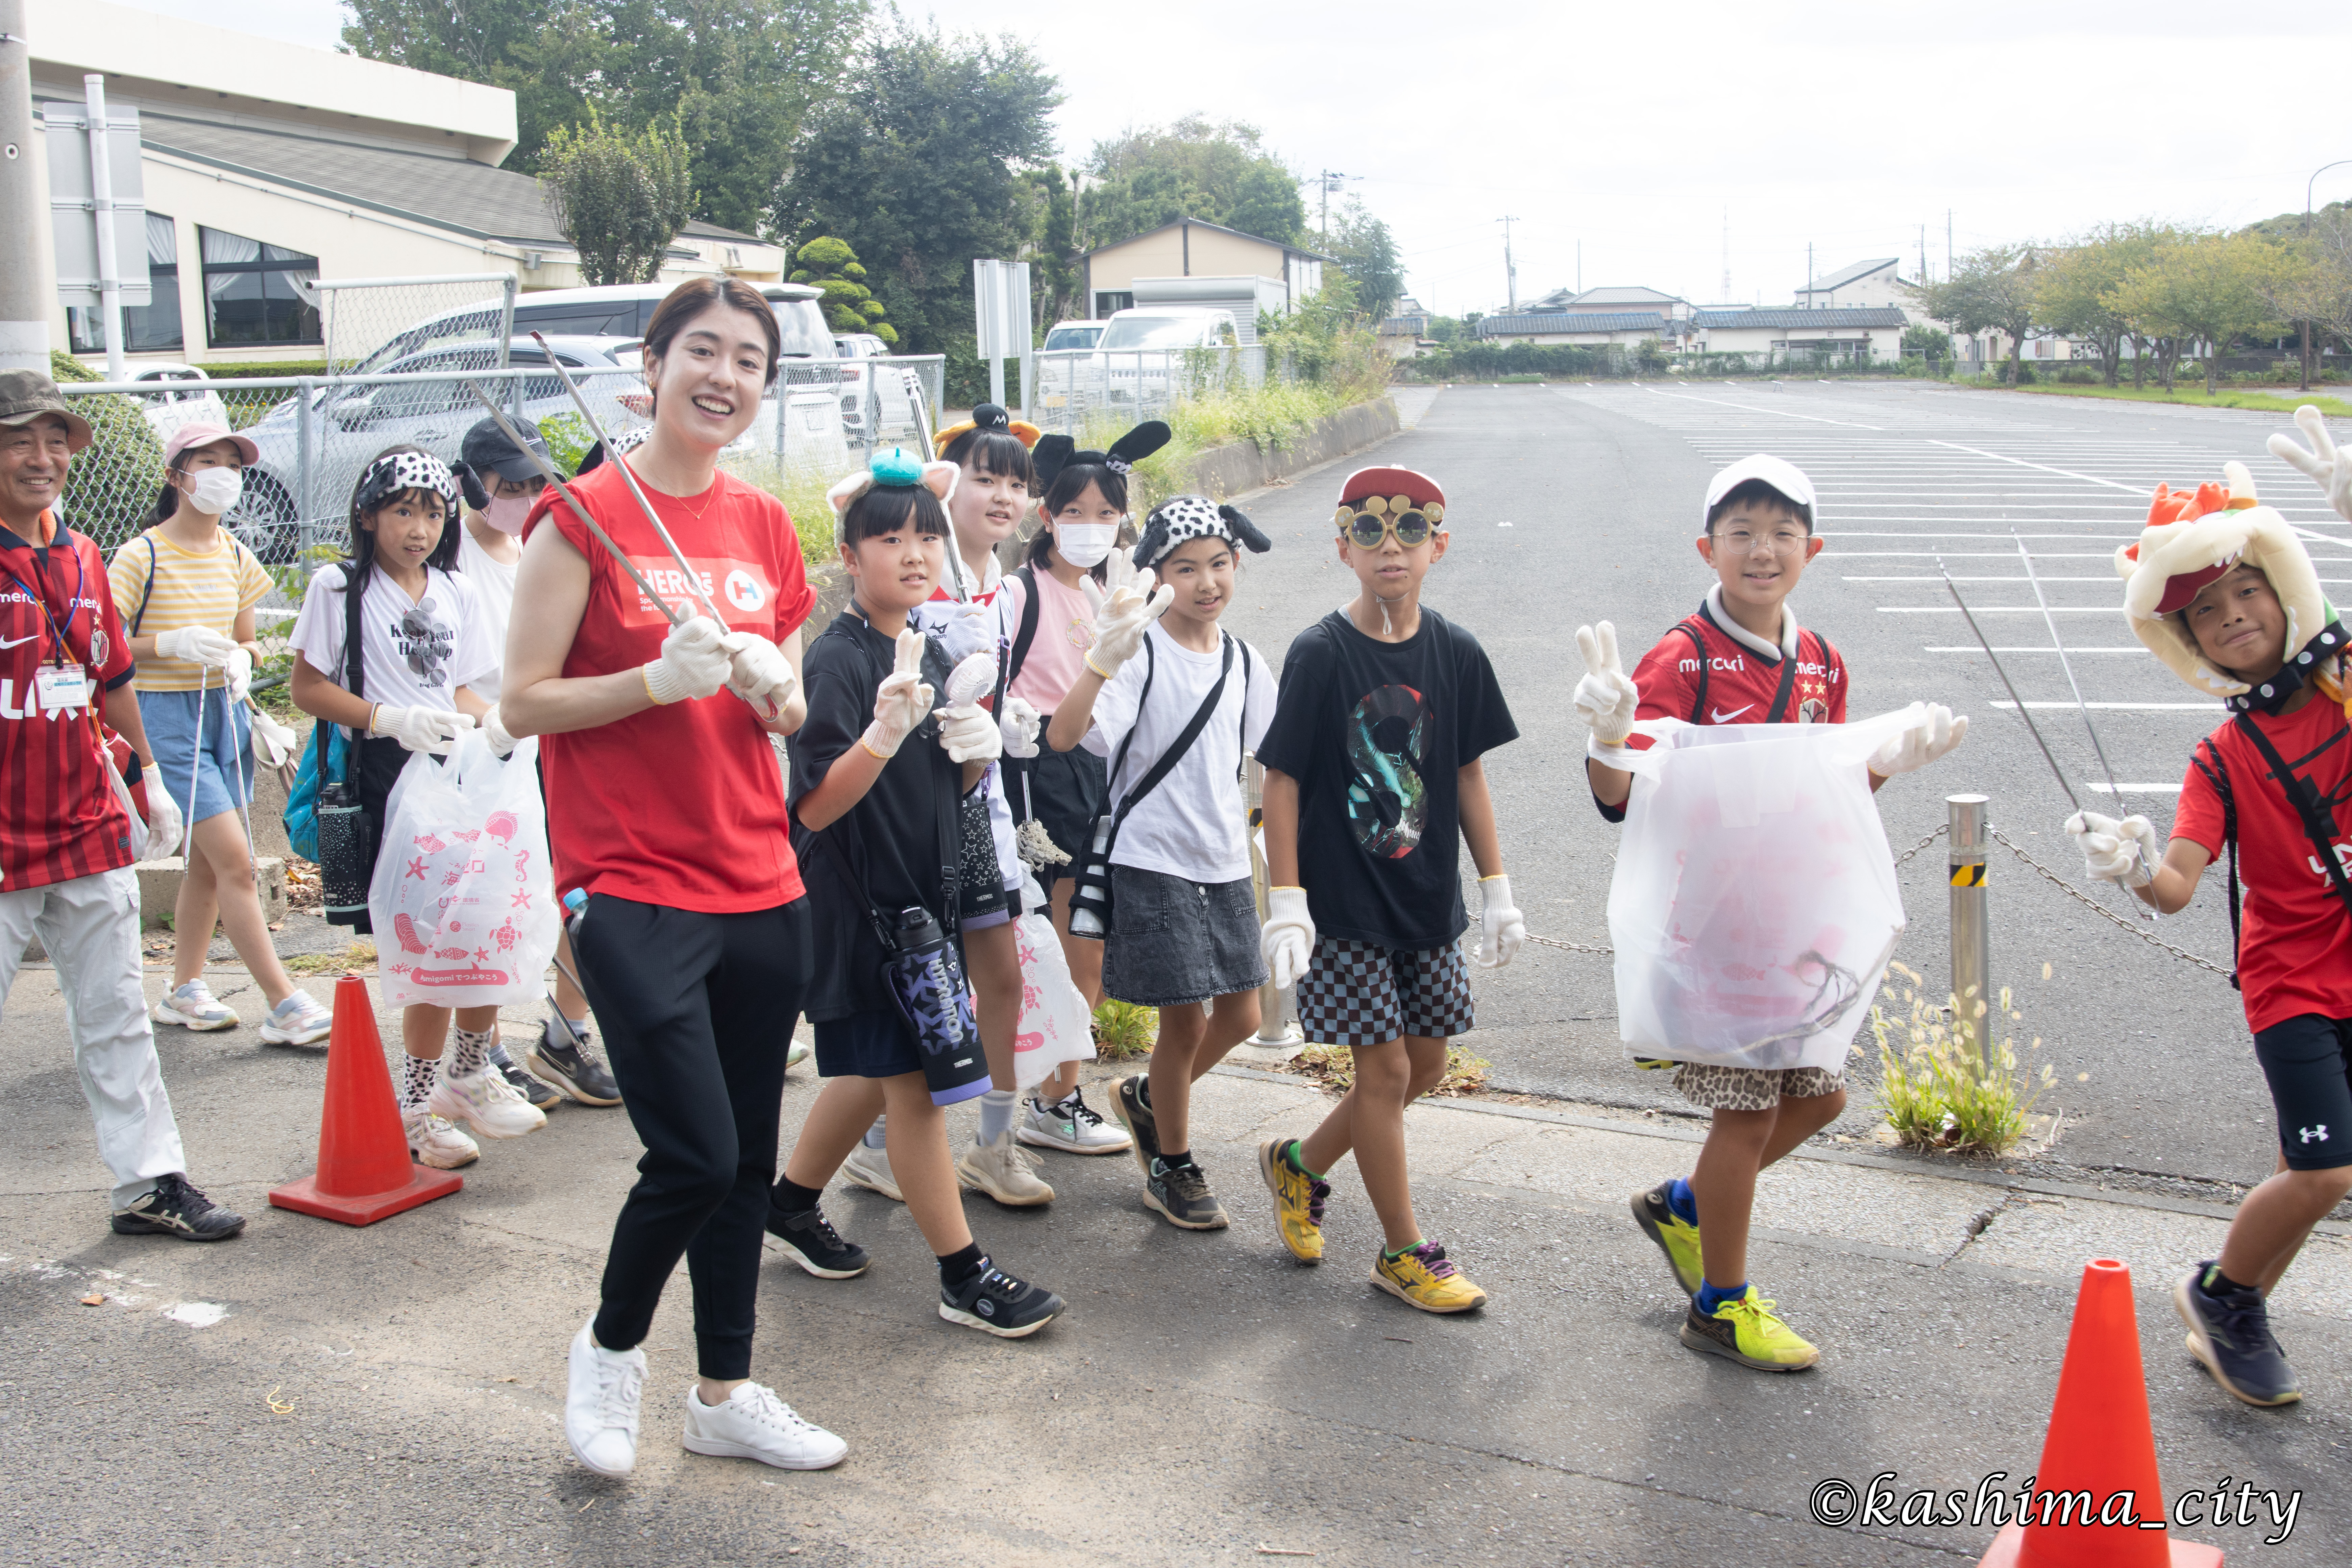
pixel 59 687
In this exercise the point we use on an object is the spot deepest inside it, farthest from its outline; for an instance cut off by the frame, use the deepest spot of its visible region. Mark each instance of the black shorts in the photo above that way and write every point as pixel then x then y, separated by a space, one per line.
pixel 1064 792
pixel 375 769
pixel 865 1045
pixel 2307 1061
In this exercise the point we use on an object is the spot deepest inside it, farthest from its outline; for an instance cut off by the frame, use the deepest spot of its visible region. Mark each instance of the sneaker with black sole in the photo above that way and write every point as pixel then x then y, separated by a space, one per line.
pixel 1747 1330
pixel 996 1303
pixel 176 1208
pixel 1675 1236
pixel 2230 1334
pixel 810 1240
pixel 1181 1196
pixel 1127 1104
pixel 531 1088
pixel 572 1065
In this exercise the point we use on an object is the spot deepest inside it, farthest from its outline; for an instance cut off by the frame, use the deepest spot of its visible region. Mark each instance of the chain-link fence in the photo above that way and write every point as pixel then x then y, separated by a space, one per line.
pixel 371 324
pixel 1074 386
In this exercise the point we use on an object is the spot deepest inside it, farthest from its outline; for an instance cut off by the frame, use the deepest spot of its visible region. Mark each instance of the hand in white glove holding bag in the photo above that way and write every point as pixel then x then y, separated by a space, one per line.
pixel 432 729
pixel 1288 939
pixel 1917 747
pixel 2113 851
pixel 195 645
pixel 164 826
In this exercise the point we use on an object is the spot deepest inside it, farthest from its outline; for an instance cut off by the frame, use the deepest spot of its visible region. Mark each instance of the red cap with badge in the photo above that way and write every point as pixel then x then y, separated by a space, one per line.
pixel 1417 489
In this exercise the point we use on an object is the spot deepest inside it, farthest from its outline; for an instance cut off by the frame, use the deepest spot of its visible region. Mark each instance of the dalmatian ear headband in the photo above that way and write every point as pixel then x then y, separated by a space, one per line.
pixel 1181 519
pixel 1055 453
pixel 897 469
pixel 394 472
pixel 627 441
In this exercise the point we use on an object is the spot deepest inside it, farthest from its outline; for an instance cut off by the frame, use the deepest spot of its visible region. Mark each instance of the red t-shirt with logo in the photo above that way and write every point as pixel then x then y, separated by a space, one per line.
pixel 681 805
pixel 1740 682
pixel 2292 952
pixel 59 816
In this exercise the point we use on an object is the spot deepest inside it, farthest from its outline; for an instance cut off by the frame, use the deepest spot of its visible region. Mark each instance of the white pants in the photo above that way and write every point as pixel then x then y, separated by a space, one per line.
pixel 91 927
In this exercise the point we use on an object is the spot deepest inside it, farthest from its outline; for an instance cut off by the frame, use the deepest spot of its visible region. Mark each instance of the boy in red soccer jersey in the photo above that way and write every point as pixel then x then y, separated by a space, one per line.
pixel 1740 659
pixel 2221 590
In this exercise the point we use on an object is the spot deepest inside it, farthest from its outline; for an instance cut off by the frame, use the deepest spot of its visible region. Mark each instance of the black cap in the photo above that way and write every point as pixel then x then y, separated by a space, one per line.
pixel 487 450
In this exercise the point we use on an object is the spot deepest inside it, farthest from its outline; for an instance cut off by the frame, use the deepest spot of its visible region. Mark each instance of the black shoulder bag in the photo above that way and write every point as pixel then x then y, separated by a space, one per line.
pixel 2317 814
pixel 347 840
pixel 1780 698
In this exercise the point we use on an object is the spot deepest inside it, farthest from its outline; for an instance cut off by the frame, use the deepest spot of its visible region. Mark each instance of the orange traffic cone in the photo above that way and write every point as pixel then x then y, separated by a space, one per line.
pixel 364 1172
pixel 2100 1447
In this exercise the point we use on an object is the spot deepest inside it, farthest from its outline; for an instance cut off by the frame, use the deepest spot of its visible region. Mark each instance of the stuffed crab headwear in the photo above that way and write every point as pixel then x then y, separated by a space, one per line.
pixel 2193 537
pixel 894 468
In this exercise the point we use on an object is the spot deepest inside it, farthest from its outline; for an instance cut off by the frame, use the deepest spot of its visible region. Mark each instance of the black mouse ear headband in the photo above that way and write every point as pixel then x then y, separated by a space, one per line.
pixel 1055 453
pixel 1179 519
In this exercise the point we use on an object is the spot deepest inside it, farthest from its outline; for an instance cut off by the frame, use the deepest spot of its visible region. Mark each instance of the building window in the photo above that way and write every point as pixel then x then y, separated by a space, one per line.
pixel 252 294
pixel 146 329
pixel 1107 301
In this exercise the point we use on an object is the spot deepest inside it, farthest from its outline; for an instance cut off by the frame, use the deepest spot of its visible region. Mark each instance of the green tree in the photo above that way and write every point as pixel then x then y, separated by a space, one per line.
pixel 2209 286
pixel 2078 284
pixel 619 199
pixel 1217 172
pixel 1990 290
pixel 1927 342
pixel 915 164
pixel 849 305
pixel 1367 252
pixel 1052 250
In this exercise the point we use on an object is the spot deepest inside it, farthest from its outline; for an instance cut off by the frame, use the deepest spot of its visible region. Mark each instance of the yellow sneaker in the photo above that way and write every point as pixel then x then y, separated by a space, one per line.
pixel 1675 1236
pixel 1745 1330
pixel 1298 1200
pixel 1423 1276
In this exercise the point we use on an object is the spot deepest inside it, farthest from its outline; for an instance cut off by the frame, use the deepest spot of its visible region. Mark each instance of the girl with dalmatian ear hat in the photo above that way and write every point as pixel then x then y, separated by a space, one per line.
pixel 1182 519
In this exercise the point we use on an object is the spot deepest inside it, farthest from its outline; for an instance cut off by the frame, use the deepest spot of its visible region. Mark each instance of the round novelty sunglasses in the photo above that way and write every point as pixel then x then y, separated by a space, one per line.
pixel 1374 518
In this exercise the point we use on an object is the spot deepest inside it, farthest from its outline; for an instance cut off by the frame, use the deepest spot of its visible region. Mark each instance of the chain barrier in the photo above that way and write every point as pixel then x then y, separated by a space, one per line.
pixel 2105 913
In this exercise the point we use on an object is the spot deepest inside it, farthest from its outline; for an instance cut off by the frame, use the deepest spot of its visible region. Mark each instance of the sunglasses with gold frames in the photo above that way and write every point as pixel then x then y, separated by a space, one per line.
pixel 1372 519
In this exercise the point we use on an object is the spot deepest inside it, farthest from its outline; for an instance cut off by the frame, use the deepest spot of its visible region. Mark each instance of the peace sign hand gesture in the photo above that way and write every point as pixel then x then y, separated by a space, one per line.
pixel 2329 466
pixel 1606 699
pixel 1123 612
pixel 901 700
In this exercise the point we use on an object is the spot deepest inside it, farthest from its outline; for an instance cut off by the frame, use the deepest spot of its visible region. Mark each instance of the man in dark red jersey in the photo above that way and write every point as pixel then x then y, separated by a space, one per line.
pixel 66 839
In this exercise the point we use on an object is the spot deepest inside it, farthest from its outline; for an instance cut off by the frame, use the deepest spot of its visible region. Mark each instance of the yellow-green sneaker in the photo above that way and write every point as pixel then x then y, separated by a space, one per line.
pixel 1675 1236
pixel 1745 1330
pixel 1298 1200
pixel 1423 1276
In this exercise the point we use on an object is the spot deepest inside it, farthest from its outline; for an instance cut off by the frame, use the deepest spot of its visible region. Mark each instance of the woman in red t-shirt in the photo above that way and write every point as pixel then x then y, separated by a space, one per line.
pixel 665 810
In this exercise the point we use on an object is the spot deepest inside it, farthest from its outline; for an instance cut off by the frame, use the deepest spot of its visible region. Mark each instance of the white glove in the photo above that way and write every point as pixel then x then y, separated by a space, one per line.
pixel 240 675
pixel 1122 611
pixel 759 670
pixel 1501 927
pixel 2114 851
pixel 2329 466
pixel 197 645
pixel 694 662
pixel 1289 938
pixel 502 743
pixel 1018 728
pixel 272 742
pixel 163 824
pixel 1606 699
pixel 430 729
pixel 1916 748
pixel 968 734
pixel 901 700
pixel 968 629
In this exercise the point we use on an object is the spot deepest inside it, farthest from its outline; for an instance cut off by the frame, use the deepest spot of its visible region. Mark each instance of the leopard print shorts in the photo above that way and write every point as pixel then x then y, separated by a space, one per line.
pixel 1716 1087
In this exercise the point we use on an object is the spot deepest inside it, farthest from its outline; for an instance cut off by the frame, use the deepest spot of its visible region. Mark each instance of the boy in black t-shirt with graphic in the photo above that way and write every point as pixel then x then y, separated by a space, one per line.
pixel 1373 771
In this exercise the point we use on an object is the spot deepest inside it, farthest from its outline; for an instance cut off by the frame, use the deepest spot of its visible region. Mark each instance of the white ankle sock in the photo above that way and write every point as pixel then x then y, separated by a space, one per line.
pixel 996 1114
pixel 872 1139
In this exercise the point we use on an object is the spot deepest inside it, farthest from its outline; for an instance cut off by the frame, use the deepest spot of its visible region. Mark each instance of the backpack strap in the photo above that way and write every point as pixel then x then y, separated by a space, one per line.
pixel 1698 645
pixel 2317 813
pixel 2207 760
pixel 1028 632
pixel 1182 743
pixel 147 592
pixel 1778 713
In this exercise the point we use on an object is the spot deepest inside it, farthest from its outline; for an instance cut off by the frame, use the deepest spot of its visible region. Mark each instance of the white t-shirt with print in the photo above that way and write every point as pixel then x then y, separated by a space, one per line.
pixel 493 582
pixel 1190 826
pixel 412 655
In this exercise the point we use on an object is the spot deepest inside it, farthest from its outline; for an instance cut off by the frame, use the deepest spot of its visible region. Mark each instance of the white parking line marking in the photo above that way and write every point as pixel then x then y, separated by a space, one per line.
pixel 2125 707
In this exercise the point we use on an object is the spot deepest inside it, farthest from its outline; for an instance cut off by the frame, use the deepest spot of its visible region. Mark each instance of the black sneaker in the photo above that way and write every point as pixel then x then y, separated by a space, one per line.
pixel 996 1303
pixel 1181 1196
pixel 571 1064
pixel 531 1088
pixel 1127 1104
pixel 175 1208
pixel 810 1241
pixel 2231 1334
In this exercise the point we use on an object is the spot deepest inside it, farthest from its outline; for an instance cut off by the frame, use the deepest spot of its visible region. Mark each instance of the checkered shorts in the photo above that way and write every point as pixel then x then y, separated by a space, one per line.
pixel 1356 993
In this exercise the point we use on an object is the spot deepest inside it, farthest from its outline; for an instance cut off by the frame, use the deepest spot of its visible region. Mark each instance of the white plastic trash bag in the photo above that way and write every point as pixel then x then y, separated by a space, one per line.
pixel 1754 903
pixel 461 898
pixel 1056 1025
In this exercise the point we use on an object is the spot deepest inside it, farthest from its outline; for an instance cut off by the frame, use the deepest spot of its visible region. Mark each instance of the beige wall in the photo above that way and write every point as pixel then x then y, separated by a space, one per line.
pixel 1161 255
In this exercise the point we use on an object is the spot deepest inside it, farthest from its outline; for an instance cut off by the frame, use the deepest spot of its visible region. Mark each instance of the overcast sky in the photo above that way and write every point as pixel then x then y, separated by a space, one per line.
pixel 1642 134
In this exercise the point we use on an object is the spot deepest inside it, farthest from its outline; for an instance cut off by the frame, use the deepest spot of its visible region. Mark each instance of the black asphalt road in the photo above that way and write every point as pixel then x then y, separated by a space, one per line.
pixel 1571 504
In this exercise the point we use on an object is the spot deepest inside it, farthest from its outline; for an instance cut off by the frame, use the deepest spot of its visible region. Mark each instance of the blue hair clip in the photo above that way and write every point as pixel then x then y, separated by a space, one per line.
pixel 898 468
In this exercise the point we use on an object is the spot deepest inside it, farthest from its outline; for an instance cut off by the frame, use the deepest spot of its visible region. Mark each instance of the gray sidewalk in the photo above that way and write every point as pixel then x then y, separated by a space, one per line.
pixel 392 1395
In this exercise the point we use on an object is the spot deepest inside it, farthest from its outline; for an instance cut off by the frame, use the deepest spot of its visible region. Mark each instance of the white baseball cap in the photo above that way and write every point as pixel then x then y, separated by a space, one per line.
pixel 1778 472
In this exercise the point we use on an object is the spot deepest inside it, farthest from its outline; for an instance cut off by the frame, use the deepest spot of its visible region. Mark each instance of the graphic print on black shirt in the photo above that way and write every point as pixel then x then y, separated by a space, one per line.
pixel 1388 801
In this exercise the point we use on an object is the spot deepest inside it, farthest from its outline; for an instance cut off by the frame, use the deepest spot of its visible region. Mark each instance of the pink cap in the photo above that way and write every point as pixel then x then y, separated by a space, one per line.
pixel 203 433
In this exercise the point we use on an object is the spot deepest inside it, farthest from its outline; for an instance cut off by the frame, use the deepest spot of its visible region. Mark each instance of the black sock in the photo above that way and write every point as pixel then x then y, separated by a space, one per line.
pixel 788 1196
pixel 2217 1283
pixel 957 1268
pixel 1172 1158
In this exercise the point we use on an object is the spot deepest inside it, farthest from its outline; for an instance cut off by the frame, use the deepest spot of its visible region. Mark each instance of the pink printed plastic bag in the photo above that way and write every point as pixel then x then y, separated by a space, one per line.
pixel 461 903
pixel 1056 1025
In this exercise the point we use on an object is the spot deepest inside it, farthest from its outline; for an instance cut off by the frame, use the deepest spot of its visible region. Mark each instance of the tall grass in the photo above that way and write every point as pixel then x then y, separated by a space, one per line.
pixel 1931 1090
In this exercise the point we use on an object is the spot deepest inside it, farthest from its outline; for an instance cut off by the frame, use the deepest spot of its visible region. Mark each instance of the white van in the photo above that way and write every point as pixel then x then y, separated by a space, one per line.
pixel 1166 327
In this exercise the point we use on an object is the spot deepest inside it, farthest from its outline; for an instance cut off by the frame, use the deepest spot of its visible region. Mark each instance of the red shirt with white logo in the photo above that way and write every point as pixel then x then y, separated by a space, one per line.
pixel 59 816
pixel 681 805
pixel 1740 680
pixel 2291 950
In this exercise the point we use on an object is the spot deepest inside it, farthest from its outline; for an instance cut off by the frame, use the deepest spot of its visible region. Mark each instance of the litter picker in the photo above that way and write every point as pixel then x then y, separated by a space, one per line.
pixel 2114 789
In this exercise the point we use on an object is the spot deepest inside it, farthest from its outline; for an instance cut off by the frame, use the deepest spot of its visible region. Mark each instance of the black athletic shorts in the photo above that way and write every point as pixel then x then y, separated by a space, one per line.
pixel 2308 1061
pixel 1063 790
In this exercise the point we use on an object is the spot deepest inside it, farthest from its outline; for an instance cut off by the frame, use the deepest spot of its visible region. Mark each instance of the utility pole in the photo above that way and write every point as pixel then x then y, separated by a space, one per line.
pixel 1923 253
pixel 1579 266
pixel 1947 245
pixel 1726 295
pixel 1510 268
pixel 2306 238
pixel 1810 301
pixel 27 287
pixel 1330 180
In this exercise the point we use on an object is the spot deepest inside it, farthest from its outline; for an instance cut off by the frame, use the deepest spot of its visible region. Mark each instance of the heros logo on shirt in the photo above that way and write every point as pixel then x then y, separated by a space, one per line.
pixel 743 590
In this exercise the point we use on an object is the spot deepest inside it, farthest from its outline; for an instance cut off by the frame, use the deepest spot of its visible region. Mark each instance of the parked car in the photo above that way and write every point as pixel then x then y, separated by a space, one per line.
pixel 1169 327
pixel 1067 335
pixel 623 311
pixel 895 416
pixel 184 395
pixel 1134 361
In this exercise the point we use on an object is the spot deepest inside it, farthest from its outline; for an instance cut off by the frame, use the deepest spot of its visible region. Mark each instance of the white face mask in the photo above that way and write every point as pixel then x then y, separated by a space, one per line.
pixel 213 490
pixel 506 513
pixel 1084 545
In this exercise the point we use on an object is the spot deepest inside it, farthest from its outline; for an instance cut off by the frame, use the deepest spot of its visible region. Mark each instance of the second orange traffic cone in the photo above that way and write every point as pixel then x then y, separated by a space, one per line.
pixel 364 1172
pixel 2100 1445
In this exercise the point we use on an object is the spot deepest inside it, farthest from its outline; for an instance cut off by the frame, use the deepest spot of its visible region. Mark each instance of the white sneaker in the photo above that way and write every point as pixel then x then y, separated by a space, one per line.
pixel 299 1020
pixel 1073 1127
pixel 434 1143
pixel 1004 1171
pixel 870 1169
pixel 193 1006
pixel 755 1424
pixel 600 1406
pixel 486 1102
pixel 799 1052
